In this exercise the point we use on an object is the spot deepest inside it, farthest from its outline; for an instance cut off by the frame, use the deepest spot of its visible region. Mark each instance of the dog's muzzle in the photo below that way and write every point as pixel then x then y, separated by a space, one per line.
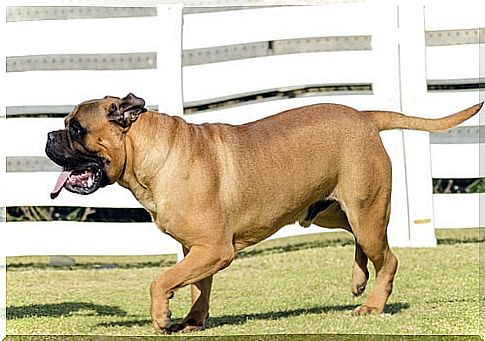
pixel 83 173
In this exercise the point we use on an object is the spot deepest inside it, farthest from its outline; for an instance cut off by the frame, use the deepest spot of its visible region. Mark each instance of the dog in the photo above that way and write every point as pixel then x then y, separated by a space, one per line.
pixel 219 188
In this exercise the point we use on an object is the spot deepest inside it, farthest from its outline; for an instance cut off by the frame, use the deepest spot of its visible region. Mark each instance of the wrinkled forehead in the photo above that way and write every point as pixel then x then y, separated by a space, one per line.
pixel 90 110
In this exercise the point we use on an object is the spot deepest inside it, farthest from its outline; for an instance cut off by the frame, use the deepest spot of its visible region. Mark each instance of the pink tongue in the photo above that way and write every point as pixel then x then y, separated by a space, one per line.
pixel 60 183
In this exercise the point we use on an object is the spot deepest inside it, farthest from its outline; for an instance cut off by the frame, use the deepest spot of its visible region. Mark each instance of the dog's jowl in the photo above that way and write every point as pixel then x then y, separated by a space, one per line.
pixel 219 188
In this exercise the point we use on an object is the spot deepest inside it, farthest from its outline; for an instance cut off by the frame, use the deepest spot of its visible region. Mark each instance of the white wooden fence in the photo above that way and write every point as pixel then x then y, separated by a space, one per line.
pixel 396 51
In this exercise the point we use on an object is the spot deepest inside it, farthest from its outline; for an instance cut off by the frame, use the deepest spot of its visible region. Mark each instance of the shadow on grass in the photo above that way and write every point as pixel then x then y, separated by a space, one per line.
pixel 217 321
pixel 89 266
pixel 61 309
pixel 460 236
pixel 127 323
pixel 276 315
pixel 261 251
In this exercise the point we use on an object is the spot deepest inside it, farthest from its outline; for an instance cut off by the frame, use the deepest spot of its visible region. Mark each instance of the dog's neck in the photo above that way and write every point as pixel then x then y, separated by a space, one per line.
pixel 158 131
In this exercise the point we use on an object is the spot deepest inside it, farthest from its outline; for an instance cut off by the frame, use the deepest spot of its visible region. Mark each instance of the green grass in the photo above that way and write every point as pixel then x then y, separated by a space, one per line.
pixel 298 285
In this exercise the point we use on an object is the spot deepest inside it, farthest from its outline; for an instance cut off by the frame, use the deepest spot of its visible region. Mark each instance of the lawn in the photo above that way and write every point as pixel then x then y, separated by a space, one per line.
pixel 298 285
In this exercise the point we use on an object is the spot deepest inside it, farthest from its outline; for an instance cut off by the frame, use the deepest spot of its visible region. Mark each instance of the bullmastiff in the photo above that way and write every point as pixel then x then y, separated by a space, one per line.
pixel 218 188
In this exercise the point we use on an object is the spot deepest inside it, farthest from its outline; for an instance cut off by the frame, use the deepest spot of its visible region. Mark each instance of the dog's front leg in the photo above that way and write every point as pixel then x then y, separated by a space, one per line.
pixel 200 263
pixel 195 319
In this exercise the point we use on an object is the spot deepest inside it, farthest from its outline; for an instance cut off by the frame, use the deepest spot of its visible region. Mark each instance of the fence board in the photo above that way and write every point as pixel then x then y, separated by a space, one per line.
pixel 33 189
pixel 114 35
pixel 265 24
pixel 245 76
pixel 441 15
pixel 28 136
pixel 458 210
pixel 453 63
pixel 78 238
pixel 73 87
pixel 456 160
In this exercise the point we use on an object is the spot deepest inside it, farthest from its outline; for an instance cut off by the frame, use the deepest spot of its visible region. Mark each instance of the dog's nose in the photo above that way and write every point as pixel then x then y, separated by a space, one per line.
pixel 51 137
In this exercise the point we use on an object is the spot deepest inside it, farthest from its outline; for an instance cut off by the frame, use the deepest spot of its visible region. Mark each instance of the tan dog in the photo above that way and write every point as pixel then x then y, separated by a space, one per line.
pixel 218 188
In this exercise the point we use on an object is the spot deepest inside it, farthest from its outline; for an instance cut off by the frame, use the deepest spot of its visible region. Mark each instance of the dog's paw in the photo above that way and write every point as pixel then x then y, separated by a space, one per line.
pixel 358 290
pixel 188 325
pixel 163 325
pixel 366 310
pixel 185 328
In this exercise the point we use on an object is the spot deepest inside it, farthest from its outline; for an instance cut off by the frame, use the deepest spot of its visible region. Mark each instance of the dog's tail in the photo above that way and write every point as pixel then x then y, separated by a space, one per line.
pixel 386 120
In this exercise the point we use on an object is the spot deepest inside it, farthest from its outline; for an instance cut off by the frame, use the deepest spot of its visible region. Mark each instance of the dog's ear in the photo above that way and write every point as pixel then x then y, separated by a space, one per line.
pixel 126 110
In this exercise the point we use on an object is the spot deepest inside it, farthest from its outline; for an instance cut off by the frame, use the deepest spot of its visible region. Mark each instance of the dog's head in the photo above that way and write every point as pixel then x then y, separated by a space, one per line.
pixel 91 147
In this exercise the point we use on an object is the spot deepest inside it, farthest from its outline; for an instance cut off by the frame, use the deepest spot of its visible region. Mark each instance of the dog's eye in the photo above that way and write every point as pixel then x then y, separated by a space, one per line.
pixel 76 129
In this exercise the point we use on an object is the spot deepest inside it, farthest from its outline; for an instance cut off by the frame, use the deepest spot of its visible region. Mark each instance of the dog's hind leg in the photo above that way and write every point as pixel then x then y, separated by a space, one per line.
pixel 365 196
pixel 369 225
pixel 360 274
pixel 335 217
pixel 385 264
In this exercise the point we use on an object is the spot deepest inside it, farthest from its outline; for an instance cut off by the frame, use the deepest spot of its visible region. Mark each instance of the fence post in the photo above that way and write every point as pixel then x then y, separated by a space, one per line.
pixel 169 59
pixel 169 64
pixel 386 88
pixel 413 80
